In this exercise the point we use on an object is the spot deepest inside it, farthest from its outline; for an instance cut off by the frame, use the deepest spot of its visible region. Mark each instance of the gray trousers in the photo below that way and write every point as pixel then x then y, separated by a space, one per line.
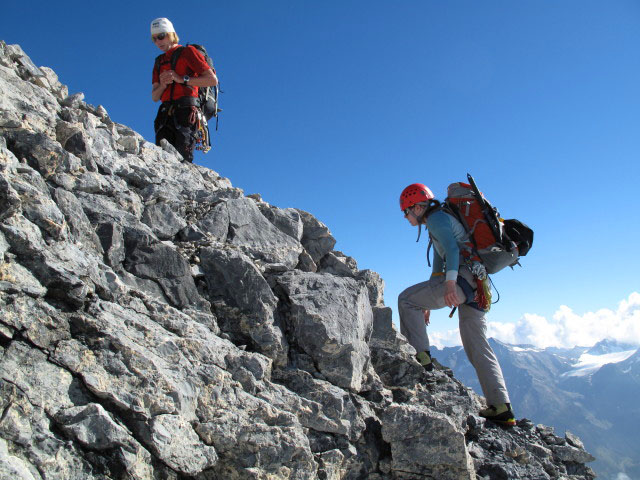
pixel 429 295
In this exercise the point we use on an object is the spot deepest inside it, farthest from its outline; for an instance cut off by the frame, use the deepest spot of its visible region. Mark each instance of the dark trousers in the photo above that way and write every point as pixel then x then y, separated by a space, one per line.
pixel 177 124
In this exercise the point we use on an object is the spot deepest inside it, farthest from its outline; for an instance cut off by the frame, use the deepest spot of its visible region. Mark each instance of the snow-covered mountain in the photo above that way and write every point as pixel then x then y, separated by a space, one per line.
pixel 589 363
pixel 590 391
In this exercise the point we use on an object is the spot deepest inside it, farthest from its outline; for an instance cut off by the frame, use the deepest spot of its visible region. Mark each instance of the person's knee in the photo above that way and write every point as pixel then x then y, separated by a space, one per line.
pixel 403 297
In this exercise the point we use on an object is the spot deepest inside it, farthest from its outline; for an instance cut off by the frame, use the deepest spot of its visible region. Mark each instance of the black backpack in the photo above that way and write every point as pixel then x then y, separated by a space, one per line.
pixel 208 96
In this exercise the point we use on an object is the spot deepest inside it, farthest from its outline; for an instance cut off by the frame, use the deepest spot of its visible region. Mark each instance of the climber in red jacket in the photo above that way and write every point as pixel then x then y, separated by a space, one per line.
pixel 175 81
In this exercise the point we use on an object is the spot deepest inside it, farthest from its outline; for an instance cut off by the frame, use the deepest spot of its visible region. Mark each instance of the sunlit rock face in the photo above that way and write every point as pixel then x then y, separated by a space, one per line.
pixel 156 323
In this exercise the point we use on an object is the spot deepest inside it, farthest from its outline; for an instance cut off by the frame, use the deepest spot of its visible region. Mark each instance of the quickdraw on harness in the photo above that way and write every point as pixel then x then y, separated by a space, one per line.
pixel 203 140
pixel 208 108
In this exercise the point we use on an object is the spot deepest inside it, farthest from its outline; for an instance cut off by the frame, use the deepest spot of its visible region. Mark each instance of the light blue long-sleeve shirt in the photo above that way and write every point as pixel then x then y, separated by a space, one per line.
pixel 447 234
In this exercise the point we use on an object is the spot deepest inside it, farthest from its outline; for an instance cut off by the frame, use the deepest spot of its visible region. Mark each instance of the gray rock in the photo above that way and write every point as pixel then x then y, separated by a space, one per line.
pixel 330 319
pixel 170 149
pixel 417 439
pixel 567 453
pixel 286 220
pixel 42 153
pixel 163 264
pixel 215 222
pixel 92 426
pixel 37 204
pixel 59 90
pixel 337 263
pixel 47 385
pixel 25 67
pixel 9 119
pixel 72 137
pixel 306 263
pixel 573 440
pixel 80 228
pixel 12 466
pixel 73 101
pixel 4 246
pixel 232 276
pixel 164 220
pixel 111 237
pixel 258 439
pixel 375 284
pixel 336 411
pixel 330 463
pixel 65 270
pixel 179 446
pixel 316 237
pixel 10 202
pixel 15 278
pixel 38 322
pixel 248 349
pixel 129 144
pixel 249 229
pixel 191 233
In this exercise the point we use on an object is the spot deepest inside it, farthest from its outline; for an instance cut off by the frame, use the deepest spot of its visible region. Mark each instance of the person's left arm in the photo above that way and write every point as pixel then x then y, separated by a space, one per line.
pixel 204 75
pixel 205 79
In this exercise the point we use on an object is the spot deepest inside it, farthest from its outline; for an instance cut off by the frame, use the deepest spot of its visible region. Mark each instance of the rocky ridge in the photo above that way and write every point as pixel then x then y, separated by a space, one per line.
pixel 156 323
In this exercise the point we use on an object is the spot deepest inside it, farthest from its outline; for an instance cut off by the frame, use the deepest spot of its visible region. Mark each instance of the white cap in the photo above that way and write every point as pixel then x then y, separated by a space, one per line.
pixel 161 25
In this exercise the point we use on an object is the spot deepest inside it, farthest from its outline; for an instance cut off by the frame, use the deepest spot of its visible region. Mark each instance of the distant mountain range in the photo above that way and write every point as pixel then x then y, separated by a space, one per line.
pixel 593 392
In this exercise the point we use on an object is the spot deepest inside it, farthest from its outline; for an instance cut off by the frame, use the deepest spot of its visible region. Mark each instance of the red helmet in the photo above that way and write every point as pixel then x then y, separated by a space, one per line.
pixel 415 193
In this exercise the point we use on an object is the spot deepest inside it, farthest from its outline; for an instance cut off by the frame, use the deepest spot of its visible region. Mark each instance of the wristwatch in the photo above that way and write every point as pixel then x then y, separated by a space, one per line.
pixel 185 79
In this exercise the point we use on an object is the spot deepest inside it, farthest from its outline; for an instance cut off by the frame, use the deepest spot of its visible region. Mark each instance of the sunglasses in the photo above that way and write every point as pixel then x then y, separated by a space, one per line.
pixel 160 36
pixel 406 211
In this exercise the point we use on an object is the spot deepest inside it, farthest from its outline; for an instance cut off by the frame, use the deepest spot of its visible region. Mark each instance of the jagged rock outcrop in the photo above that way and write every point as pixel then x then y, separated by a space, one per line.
pixel 156 323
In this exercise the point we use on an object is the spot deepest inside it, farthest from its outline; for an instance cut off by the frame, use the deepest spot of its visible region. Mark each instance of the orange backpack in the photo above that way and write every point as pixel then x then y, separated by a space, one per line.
pixel 490 241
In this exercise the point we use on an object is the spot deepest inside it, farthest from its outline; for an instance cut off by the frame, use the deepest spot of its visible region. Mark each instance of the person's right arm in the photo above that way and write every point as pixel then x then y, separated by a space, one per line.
pixel 157 90
pixel 160 83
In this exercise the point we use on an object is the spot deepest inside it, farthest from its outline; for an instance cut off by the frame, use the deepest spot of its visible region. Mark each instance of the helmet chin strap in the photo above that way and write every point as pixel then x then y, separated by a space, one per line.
pixel 420 220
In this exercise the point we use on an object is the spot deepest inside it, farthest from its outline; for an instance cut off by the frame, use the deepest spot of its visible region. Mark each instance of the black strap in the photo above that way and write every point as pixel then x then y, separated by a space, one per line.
pixel 175 55
pixel 434 206
pixel 490 214
pixel 174 60
pixel 184 101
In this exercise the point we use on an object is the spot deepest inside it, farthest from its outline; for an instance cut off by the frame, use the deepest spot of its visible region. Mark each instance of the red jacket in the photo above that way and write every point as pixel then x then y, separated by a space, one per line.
pixel 190 62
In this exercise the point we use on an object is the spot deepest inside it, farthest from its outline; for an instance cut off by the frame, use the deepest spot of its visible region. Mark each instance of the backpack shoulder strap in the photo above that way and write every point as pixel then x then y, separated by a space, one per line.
pixel 175 55
pixel 174 60
pixel 452 210
pixel 156 65
pixel 433 208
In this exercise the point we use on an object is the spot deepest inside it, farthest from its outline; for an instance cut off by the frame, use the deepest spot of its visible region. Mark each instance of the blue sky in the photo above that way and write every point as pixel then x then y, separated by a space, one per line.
pixel 334 107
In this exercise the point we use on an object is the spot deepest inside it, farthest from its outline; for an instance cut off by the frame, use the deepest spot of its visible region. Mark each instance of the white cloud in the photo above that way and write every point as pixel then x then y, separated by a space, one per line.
pixel 444 339
pixel 565 329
